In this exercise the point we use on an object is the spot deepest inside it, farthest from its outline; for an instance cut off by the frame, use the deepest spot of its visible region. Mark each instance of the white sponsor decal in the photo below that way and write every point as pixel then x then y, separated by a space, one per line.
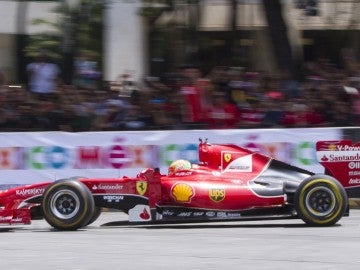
pixel 140 212
pixel 348 148
pixel 183 173
pixel 107 187
pixel 236 181
pixel 115 198
pixel 168 213
pixel 30 192
pixel 215 173
pixel 338 156
pixel 242 164
pixel 184 214
pixel 10 219
pixel 221 214
pixel 354 165
pixel 354 173
pixel 234 215
pixel 354 181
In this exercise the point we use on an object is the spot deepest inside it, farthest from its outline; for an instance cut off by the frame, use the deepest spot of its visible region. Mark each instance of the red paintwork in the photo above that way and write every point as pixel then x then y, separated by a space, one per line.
pixel 219 182
pixel 341 159
pixel 13 209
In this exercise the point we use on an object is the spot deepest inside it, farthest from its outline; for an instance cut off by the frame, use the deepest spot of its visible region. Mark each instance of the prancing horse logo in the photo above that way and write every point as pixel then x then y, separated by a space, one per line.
pixel 141 187
pixel 227 157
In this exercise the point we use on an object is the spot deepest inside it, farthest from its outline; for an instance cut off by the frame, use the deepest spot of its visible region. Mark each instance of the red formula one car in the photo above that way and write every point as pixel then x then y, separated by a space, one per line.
pixel 229 183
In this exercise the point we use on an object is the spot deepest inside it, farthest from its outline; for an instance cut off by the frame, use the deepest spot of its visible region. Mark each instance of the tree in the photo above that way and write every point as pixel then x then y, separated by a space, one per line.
pixel 78 29
pixel 22 8
pixel 152 9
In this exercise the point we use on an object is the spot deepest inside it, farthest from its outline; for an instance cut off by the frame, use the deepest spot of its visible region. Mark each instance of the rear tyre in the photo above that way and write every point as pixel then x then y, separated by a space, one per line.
pixel 68 205
pixel 320 200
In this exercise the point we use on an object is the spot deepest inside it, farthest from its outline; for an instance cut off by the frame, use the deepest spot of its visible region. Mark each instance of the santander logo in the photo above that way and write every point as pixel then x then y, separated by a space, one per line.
pixel 145 214
pixel 339 153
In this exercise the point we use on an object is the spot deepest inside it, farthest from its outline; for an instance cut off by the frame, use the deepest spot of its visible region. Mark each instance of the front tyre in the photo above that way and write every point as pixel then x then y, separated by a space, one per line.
pixel 320 200
pixel 68 205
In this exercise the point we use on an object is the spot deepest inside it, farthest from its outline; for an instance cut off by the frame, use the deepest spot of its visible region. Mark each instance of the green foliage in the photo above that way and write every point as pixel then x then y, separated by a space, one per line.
pixel 44 43
pixel 77 29
pixel 152 9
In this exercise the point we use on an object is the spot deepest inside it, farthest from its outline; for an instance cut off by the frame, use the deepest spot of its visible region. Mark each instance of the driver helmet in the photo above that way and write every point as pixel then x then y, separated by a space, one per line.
pixel 179 165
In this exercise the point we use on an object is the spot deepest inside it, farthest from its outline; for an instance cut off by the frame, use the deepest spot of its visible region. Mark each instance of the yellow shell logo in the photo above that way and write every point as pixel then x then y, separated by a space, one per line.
pixel 182 192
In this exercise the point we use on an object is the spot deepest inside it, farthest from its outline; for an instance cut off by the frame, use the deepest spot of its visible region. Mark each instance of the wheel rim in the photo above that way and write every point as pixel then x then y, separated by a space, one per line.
pixel 320 201
pixel 65 204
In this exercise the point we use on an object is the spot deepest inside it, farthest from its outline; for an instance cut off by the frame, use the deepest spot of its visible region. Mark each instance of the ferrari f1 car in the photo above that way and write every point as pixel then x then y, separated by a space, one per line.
pixel 228 183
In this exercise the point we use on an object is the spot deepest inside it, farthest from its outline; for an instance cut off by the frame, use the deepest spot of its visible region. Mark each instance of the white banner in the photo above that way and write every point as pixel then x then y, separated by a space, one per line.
pixel 47 156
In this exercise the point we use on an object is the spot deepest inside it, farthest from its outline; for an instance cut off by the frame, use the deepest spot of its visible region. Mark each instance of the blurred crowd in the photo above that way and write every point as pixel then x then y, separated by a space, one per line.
pixel 225 98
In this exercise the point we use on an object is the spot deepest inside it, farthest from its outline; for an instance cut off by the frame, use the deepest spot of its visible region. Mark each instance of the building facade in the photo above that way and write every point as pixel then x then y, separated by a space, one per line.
pixel 127 36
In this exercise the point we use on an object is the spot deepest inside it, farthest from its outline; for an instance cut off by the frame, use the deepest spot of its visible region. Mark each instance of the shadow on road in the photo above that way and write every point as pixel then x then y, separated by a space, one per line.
pixel 202 225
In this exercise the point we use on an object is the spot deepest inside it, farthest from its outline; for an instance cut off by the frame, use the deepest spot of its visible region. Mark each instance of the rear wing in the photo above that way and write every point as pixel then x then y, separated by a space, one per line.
pixel 341 159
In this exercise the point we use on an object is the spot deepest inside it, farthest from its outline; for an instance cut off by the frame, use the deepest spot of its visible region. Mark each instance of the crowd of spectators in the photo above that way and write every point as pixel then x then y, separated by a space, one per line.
pixel 226 98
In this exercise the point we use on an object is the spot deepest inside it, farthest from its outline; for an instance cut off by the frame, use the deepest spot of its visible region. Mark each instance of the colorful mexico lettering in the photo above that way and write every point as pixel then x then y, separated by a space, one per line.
pixel 119 156
pixel 80 157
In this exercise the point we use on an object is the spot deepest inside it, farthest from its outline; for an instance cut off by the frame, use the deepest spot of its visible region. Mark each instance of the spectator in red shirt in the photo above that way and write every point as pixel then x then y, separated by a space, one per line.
pixel 252 116
pixel 294 115
pixel 299 114
pixel 222 113
pixel 312 114
pixel 193 99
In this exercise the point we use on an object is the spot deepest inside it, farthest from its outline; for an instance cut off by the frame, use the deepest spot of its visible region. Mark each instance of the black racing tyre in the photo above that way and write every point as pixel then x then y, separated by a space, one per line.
pixel 68 205
pixel 320 200
pixel 95 215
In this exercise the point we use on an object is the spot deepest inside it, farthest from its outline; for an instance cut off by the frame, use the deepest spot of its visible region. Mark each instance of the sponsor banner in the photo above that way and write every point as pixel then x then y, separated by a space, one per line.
pixel 337 151
pixel 47 156
pixel 339 156
pixel 342 159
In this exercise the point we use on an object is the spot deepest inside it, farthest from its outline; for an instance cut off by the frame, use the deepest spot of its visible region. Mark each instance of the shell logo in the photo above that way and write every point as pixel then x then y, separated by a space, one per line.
pixel 182 192
pixel 332 147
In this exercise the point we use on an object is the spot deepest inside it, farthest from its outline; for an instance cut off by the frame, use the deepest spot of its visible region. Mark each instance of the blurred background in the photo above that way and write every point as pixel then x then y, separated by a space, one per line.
pixel 90 65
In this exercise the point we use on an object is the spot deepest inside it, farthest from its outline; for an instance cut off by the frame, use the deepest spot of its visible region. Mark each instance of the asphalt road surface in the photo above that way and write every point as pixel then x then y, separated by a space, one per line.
pixel 277 245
